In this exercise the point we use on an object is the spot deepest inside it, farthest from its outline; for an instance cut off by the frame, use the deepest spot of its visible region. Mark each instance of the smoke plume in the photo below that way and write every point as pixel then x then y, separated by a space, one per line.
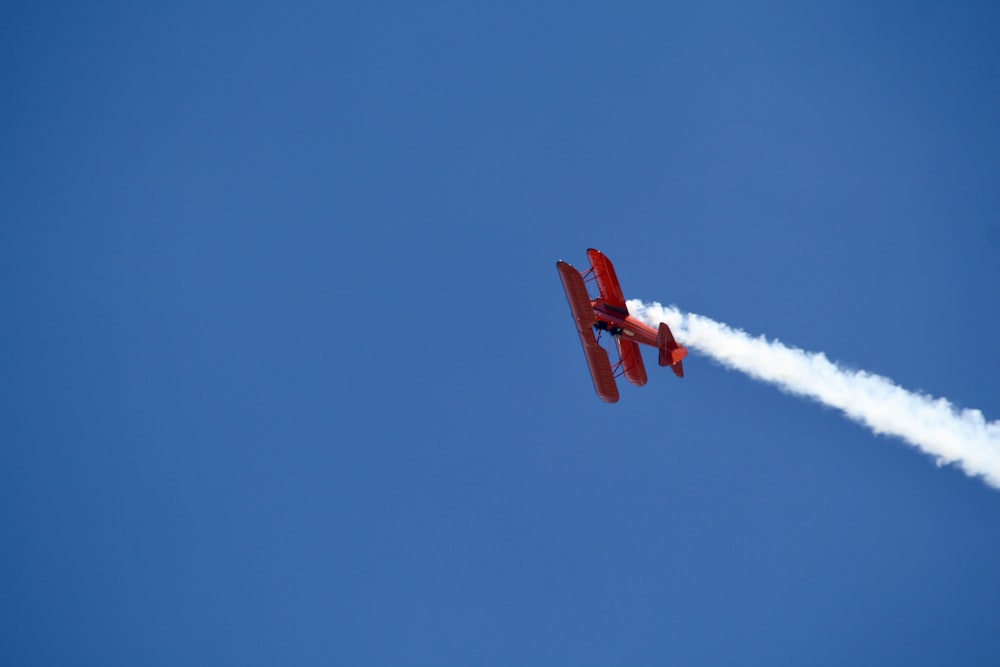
pixel 933 425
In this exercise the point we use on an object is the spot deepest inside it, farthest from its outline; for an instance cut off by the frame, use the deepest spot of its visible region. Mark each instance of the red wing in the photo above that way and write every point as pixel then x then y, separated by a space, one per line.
pixel 635 370
pixel 583 316
pixel 607 280
pixel 600 369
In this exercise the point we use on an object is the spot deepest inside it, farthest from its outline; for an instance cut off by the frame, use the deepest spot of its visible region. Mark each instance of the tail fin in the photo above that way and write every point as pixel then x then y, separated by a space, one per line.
pixel 671 352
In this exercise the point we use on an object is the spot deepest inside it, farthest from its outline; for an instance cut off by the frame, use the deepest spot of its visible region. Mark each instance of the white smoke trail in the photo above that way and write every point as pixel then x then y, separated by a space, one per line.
pixel 934 425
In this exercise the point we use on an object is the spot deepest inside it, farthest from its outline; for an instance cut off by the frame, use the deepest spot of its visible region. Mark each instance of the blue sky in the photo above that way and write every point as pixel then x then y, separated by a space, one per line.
pixel 288 376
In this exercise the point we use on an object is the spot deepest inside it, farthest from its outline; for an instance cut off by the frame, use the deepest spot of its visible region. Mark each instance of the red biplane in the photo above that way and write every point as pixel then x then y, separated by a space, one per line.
pixel 608 312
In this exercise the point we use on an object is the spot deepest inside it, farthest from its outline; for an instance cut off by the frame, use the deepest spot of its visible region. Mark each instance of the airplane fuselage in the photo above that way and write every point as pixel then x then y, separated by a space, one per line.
pixel 612 320
pixel 609 312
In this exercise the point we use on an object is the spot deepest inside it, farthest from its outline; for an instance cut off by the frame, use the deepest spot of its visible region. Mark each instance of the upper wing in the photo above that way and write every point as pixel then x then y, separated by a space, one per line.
pixel 607 281
pixel 635 370
pixel 583 316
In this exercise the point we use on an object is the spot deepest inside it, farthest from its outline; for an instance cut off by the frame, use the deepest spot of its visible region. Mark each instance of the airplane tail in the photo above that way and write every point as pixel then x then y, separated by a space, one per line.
pixel 671 352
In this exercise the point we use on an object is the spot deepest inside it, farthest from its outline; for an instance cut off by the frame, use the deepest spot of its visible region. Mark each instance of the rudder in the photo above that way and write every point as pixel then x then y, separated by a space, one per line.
pixel 671 352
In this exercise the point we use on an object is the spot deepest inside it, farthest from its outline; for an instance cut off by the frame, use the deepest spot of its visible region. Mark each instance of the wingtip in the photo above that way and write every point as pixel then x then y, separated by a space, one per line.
pixel 609 398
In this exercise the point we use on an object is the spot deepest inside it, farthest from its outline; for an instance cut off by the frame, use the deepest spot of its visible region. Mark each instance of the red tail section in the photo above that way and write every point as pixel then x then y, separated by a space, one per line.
pixel 671 352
